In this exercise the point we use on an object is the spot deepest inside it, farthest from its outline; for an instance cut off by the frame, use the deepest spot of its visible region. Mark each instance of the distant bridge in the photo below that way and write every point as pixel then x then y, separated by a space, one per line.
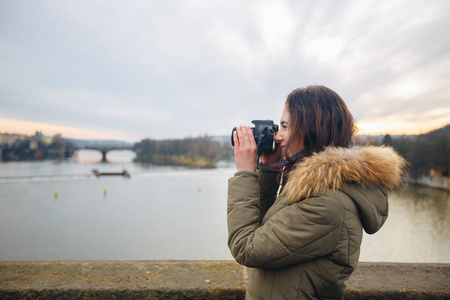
pixel 105 149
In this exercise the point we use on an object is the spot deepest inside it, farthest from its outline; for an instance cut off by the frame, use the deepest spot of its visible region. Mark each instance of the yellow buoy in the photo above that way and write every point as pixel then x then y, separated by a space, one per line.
pixel 104 191
pixel 56 193
pixel 199 188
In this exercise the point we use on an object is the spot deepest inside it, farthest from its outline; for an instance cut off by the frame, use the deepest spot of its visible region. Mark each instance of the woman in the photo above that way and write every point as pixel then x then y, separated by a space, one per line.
pixel 300 228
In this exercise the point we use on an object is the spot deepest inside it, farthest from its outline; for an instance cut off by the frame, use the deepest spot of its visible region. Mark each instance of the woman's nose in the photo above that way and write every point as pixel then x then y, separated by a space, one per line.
pixel 278 137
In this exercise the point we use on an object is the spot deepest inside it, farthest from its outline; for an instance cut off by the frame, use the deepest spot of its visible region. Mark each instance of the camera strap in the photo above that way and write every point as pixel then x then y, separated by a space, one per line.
pixel 284 162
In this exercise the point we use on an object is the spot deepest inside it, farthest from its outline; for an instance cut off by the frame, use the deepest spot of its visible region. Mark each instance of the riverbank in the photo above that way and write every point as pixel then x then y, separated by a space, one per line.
pixel 178 161
pixel 434 182
pixel 199 280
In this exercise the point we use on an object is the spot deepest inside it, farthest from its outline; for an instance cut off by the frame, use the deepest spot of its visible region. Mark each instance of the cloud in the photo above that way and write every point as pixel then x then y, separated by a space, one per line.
pixel 177 68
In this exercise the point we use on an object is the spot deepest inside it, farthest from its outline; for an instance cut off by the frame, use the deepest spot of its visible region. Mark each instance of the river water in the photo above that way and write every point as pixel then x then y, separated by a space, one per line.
pixel 169 213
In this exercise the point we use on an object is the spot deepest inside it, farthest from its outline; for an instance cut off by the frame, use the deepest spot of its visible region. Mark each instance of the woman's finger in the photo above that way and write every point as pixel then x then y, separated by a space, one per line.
pixel 235 139
pixel 250 138
pixel 244 136
pixel 240 136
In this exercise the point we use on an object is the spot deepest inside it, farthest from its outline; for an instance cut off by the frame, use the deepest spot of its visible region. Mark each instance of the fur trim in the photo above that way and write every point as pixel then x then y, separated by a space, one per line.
pixel 334 167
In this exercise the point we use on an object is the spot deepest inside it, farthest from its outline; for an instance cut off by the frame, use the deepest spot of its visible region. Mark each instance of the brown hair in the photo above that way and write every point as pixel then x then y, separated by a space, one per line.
pixel 319 116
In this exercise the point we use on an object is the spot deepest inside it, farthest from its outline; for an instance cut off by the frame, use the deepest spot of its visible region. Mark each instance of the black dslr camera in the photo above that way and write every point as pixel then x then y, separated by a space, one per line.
pixel 264 132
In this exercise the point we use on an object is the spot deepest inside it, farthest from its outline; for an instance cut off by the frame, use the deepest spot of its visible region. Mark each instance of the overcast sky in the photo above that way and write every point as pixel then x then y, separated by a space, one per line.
pixel 129 70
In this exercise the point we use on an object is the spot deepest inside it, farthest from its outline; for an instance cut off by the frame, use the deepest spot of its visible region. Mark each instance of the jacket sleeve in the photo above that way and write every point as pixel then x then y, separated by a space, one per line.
pixel 268 187
pixel 295 234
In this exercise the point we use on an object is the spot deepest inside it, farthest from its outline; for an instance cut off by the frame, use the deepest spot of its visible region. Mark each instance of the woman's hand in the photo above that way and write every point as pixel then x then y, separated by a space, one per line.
pixel 274 157
pixel 245 149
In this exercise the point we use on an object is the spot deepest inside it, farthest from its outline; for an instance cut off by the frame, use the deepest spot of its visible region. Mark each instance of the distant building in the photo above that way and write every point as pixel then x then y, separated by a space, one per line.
pixel 442 172
pixel 47 140
pixel 7 139
pixel 33 144
pixel 366 139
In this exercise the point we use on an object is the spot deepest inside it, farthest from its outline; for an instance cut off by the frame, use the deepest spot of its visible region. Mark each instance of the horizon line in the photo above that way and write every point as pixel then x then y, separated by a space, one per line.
pixel 30 128
pixel 210 135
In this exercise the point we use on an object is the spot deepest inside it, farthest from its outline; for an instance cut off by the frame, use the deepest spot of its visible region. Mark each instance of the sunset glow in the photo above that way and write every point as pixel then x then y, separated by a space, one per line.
pixel 396 128
pixel 29 128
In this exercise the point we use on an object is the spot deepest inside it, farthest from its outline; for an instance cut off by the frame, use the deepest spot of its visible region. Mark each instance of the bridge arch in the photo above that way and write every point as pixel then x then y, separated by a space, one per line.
pixel 105 150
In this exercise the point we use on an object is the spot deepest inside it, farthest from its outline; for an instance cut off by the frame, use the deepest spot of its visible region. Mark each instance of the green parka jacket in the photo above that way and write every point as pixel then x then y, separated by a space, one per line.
pixel 305 243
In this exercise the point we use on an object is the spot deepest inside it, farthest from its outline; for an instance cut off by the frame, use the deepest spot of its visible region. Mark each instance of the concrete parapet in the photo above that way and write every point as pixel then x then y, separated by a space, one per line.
pixel 199 280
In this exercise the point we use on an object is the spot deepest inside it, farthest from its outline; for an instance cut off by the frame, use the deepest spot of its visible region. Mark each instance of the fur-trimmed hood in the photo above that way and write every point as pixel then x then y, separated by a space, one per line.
pixel 334 167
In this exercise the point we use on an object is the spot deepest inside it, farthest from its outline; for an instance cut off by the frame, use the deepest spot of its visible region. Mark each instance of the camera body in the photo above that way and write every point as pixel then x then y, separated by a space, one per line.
pixel 264 133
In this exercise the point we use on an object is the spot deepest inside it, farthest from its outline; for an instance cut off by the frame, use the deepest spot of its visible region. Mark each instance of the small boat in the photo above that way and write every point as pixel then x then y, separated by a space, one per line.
pixel 123 173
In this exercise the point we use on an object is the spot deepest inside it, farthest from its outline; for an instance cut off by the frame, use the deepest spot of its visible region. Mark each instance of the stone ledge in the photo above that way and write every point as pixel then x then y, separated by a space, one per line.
pixel 198 280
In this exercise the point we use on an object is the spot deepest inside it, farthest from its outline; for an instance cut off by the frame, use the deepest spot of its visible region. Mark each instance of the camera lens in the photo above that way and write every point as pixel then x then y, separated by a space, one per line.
pixel 232 138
